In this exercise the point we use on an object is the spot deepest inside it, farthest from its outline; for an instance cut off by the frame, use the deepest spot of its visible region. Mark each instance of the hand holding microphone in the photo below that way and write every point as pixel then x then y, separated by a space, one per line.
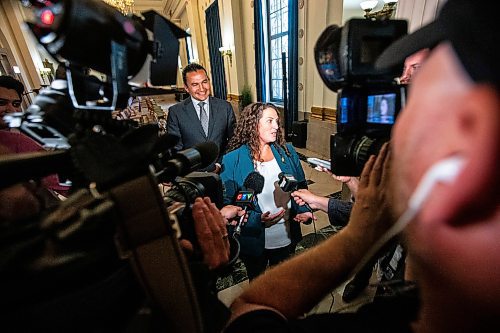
pixel 232 213
pixel 253 184
pixel 305 197
pixel 288 183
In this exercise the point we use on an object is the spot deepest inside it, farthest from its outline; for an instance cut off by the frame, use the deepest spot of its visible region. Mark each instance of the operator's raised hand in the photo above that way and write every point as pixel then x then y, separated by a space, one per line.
pixel 211 233
pixel 372 215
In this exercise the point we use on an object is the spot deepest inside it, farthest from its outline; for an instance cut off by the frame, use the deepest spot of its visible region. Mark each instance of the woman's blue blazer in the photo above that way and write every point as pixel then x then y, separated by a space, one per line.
pixel 236 166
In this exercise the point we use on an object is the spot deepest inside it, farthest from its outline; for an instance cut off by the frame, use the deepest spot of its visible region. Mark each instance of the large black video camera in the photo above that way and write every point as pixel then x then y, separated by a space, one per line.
pixel 118 166
pixel 369 100
pixel 128 52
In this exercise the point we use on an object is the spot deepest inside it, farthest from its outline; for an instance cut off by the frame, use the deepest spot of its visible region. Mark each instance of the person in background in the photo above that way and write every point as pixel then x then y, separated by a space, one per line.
pixel 11 92
pixel 412 64
pixel 451 232
pixel 271 233
pixel 15 142
pixel 201 117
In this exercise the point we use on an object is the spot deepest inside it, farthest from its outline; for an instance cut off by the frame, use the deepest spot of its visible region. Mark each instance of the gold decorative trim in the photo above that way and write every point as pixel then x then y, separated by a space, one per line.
pixel 324 114
pixel 317 113
pixel 233 97
pixel 330 114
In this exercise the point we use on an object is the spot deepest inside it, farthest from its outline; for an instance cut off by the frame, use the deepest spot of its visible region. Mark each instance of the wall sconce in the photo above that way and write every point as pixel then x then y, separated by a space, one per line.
pixel 383 14
pixel 368 6
pixel 226 51
pixel 46 73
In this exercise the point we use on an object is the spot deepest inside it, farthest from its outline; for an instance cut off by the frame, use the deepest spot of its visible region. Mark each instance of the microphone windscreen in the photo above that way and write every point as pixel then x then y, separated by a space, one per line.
pixel 255 182
pixel 165 142
pixel 208 152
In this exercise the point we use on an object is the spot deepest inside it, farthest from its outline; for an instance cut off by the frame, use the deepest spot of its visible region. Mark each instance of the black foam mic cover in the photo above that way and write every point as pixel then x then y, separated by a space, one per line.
pixel 208 151
pixel 254 181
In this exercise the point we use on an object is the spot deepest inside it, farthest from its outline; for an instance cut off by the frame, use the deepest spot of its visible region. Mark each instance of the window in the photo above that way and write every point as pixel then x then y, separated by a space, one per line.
pixel 189 47
pixel 277 21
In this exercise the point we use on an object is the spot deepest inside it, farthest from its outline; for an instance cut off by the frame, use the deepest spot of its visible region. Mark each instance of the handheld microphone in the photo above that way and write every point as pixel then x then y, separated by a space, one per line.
pixel 288 183
pixel 254 183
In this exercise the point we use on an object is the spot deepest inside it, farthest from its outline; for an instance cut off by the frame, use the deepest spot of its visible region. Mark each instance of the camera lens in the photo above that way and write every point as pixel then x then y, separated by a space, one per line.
pixel 364 148
pixel 349 154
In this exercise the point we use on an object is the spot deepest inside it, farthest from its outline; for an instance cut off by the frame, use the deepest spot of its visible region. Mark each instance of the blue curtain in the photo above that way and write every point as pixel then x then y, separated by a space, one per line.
pixel 260 66
pixel 214 42
pixel 293 61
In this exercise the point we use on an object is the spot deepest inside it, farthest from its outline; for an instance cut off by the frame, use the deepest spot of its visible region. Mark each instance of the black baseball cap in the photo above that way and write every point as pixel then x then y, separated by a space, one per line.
pixel 472 28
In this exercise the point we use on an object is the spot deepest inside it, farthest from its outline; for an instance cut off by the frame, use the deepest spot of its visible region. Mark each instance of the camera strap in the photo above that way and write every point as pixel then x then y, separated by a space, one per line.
pixel 147 239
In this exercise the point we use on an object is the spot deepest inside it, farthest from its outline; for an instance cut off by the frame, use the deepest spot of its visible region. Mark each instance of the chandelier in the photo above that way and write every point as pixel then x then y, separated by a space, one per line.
pixel 383 14
pixel 124 6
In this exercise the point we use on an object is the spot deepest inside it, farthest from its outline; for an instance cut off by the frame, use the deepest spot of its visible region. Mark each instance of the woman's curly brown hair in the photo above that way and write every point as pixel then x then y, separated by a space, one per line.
pixel 247 130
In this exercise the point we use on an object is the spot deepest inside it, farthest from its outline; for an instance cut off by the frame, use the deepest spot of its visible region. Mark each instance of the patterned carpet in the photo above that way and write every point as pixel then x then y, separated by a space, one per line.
pixel 239 274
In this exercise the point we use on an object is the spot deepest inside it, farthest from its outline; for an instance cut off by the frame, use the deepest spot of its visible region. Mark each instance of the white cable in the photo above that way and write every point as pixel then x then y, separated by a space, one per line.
pixel 444 171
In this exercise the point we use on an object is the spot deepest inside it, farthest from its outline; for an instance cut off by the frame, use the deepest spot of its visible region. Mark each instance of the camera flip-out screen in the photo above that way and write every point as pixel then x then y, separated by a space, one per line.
pixel 381 109
pixel 345 105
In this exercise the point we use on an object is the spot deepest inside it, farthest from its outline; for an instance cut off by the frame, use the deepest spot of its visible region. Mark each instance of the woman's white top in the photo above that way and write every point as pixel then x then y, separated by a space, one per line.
pixel 273 199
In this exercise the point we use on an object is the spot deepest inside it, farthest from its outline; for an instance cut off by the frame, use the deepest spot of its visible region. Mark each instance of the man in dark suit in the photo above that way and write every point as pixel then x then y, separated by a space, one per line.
pixel 201 117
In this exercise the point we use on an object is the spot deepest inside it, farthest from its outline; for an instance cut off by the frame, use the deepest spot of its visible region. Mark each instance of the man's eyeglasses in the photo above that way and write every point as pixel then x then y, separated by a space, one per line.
pixel 14 103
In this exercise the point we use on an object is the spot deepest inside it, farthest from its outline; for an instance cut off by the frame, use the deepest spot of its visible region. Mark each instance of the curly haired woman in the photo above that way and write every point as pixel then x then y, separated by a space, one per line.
pixel 258 144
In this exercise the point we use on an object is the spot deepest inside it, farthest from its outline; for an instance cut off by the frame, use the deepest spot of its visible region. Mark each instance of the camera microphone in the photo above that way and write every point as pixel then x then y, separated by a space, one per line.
pixel 188 160
pixel 253 185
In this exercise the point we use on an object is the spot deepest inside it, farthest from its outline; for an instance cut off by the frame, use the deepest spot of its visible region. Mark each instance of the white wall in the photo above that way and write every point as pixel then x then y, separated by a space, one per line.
pixel 314 17
pixel 418 13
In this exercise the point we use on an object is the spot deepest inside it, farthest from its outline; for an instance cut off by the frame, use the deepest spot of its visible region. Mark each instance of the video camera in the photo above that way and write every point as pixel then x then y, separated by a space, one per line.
pixel 128 52
pixel 91 34
pixel 183 193
pixel 369 100
pixel 122 164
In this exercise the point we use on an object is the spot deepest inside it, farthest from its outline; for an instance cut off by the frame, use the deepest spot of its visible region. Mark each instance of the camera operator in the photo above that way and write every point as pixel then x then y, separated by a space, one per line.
pixel 412 65
pixel 339 211
pixel 446 187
